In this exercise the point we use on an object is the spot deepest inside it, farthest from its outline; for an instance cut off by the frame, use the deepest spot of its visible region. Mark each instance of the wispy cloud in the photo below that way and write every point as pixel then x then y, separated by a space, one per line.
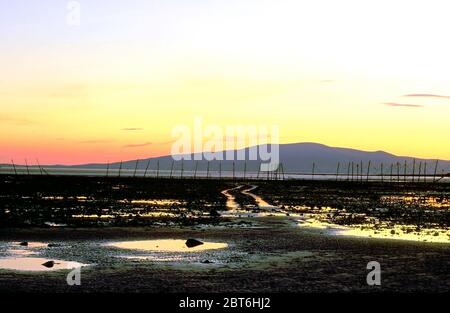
pixel 132 129
pixel 16 120
pixel 405 105
pixel 100 141
pixel 145 144
pixel 427 95
pixel 166 142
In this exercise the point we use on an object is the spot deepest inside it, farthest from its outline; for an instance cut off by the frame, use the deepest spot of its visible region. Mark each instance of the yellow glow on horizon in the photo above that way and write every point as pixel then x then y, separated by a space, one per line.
pixel 329 72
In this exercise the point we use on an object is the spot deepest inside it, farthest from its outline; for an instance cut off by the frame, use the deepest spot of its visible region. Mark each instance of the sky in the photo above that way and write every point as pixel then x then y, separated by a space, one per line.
pixel 370 75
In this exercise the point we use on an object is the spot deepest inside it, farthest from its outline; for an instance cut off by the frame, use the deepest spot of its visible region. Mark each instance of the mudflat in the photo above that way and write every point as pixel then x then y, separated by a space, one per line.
pixel 260 248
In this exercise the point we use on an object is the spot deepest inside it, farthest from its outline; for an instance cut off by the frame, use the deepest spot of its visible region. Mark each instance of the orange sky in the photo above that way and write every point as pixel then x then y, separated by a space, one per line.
pixel 372 76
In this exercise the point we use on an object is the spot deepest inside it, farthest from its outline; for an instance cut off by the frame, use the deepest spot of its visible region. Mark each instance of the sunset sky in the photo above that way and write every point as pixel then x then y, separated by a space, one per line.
pixel 371 75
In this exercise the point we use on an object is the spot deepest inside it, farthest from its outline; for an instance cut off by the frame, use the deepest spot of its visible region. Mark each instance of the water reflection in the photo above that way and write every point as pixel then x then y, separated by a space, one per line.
pixel 231 200
pixel 420 200
pixel 37 264
pixel 259 201
pixel 166 245
pixel 381 231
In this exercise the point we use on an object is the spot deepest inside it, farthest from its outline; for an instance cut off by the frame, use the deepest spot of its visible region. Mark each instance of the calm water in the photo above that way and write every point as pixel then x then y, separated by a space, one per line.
pixel 166 245
pixel 177 173
pixel 17 257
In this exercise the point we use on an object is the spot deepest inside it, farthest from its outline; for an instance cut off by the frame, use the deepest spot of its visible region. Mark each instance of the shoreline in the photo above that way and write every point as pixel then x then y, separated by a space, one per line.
pixel 265 254
pixel 301 260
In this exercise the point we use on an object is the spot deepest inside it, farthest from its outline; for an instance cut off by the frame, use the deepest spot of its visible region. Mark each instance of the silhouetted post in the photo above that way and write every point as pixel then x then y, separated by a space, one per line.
pixel 361 171
pixel 45 172
pixel 135 169
pixel 182 168
pixel 420 171
pixel 107 169
pixel 382 177
pixel 348 171
pixel 157 169
pixel 353 169
pixel 207 171
pixel 435 170
pixel 146 168
pixel 14 167
pixel 220 170
pixel 392 171
pixel 404 173
pixel 357 172
pixel 120 168
pixel 398 171
pixel 171 170
pixel 313 170
pixel 26 164
pixel 39 166
pixel 196 168
pixel 245 169
pixel 368 171
pixel 259 171
pixel 337 171
pixel 282 170
pixel 233 172
pixel 425 172
pixel 414 169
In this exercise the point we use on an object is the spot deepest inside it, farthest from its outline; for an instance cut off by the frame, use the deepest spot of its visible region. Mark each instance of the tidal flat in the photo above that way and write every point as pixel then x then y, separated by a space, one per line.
pixel 259 236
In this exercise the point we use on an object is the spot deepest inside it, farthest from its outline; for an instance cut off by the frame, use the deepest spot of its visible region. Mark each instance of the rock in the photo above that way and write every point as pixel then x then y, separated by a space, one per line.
pixel 214 213
pixel 49 264
pixel 207 262
pixel 191 243
pixel 24 244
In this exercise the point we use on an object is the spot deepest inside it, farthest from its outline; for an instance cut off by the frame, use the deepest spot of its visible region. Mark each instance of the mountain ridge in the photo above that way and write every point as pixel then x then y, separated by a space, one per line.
pixel 296 157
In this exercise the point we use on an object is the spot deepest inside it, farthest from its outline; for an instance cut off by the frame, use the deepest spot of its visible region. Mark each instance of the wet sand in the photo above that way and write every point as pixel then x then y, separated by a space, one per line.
pixel 268 252
pixel 276 258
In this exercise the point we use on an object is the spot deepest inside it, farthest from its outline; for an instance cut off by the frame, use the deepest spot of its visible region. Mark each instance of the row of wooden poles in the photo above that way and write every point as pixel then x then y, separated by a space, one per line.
pixel 277 174
pixel 42 170
pixel 355 172
pixel 396 172
pixel 269 175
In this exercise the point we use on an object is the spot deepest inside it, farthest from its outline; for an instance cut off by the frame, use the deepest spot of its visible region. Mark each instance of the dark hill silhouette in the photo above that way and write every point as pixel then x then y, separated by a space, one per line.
pixel 296 157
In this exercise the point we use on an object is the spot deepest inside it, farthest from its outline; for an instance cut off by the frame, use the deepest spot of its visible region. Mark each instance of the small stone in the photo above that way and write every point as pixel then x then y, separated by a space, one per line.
pixel 191 243
pixel 49 264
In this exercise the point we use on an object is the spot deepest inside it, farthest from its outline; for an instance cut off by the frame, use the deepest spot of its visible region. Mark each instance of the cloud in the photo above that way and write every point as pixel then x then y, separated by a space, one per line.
pixel 145 144
pixel 405 105
pixel 132 129
pixel 166 142
pixel 426 95
pixel 96 141
pixel 327 81
pixel 16 120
